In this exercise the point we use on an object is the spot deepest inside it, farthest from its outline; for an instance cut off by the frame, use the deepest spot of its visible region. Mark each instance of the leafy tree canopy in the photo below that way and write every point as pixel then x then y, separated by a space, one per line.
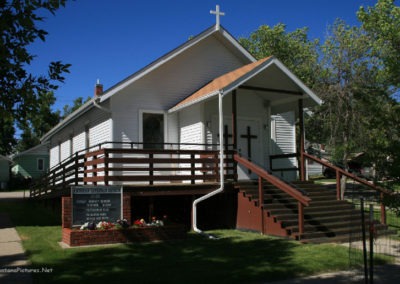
pixel 77 103
pixel 294 49
pixel 382 23
pixel 22 93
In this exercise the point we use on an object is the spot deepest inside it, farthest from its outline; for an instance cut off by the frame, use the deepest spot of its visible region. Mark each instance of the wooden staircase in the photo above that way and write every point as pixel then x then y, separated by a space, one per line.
pixel 326 219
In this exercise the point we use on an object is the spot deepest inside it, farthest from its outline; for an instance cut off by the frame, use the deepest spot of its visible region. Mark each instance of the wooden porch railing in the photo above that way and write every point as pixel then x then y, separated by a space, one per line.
pixel 152 165
pixel 339 173
pixel 132 166
pixel 60 177
pixel 302 199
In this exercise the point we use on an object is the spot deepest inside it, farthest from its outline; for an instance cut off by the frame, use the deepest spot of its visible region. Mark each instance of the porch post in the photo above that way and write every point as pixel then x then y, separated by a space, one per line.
pixel 234 120
pixel 234 130
pixel 302 158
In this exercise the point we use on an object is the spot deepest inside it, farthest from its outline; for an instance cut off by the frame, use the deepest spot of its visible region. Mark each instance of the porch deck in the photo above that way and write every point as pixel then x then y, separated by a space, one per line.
pixel 139 171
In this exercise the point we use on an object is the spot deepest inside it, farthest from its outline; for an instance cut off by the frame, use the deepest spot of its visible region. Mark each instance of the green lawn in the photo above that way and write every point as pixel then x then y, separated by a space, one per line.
pixel 235 257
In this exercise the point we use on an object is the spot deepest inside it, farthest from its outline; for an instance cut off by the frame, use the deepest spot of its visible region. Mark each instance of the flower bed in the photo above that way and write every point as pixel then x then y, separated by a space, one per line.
pixel 77 237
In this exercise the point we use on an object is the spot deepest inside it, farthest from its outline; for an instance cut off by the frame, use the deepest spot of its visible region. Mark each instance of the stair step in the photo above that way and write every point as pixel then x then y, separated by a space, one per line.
pixel 313 215
pixel 333 208
pixel 326 219
pixel 329 233
pixel 289 204
pixel 308 228
pixel 322 220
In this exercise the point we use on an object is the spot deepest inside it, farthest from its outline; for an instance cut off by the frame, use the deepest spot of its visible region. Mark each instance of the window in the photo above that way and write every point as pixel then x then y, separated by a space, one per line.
pixel 40 164
pixel 153 130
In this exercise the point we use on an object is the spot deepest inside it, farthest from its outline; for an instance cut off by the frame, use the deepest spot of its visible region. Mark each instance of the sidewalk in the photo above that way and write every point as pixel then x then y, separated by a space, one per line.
pixel 13 260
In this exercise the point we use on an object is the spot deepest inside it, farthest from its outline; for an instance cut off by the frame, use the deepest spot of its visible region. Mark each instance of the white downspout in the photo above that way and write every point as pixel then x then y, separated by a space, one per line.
pixel 221 167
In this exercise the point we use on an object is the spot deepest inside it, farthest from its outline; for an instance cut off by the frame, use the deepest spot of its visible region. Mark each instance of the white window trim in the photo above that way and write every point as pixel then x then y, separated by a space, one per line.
pixel 141 111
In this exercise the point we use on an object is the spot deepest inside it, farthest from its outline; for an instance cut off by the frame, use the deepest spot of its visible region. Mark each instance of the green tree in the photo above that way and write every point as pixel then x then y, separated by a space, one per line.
pixel 38 122
pixel 77 103
pixel 357 98
pixel 382 23
pixel 20 91
pixel 294 49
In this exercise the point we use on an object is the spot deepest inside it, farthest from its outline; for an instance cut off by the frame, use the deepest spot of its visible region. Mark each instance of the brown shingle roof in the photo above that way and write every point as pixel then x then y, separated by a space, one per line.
pixel 221 82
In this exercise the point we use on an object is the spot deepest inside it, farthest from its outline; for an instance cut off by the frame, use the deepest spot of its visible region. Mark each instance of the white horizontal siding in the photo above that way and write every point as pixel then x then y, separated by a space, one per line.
pixel 100 132
pixel 65 149
pixel 167 85
pixel 54 157
pixel 78 142
pixel 283 134
pixel 99 125
pixel 192 127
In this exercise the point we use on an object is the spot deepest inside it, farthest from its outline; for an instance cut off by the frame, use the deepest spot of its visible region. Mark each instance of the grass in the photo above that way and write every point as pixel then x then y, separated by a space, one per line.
pixel 235 257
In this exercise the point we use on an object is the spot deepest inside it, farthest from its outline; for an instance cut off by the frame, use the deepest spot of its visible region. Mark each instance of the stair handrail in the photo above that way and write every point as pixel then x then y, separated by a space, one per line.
pixel 293 192
pixel 340 172
pixel 302 199
pixel 347 174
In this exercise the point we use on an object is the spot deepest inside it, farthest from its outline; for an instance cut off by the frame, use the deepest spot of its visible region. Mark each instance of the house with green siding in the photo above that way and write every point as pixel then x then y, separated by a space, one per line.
pixel 32 163
pixel 4 172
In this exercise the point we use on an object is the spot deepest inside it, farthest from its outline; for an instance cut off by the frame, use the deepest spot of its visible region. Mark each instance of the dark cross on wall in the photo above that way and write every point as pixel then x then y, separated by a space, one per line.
pixel 248 136
pixel 226 136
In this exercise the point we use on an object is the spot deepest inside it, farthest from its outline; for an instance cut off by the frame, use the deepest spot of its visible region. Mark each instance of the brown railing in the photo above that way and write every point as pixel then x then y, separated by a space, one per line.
pixel 285 157
pixel 151 165
pixel 339 173
pixel 133 166
pixel 60 177
pixel 302 199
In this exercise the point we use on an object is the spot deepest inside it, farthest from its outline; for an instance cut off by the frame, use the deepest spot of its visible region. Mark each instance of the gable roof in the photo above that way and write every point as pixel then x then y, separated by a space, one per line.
pixel 40 149
pixel 231 80
pixel 219 32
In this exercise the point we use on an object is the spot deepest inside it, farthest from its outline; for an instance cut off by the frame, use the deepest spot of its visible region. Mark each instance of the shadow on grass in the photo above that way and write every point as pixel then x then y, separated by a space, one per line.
pixel 235 257
pixel 25 212
pixel 229 259
pixel 194 260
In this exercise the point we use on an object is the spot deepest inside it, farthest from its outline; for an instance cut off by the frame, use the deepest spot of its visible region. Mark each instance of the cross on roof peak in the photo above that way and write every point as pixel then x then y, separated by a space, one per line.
pixel 217 14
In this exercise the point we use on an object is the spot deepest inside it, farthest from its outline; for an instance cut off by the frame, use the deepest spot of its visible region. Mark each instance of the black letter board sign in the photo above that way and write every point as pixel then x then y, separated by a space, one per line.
pixel 95 204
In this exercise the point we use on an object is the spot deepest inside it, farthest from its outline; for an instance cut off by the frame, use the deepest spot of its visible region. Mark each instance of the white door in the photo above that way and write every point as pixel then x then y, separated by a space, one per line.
pixel 249 143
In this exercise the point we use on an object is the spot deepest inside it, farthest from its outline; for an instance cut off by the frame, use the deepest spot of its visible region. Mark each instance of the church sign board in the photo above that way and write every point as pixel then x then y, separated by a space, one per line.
pixel 95 204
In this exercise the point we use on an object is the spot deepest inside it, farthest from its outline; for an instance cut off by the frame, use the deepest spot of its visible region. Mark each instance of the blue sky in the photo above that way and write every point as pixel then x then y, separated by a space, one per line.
pixel 110 40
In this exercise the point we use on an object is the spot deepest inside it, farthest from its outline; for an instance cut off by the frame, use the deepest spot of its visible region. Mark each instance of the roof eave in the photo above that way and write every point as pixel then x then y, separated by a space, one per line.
pixel 235 84
pixel 236 43
pixel 308 94
pixel 28 150
pixel 185 105
pixel 299 83
pixel 74 115
pixel 172 54
pixel 157 63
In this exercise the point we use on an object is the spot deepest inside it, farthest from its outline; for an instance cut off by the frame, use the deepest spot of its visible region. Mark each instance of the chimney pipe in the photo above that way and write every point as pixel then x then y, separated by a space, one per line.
pixel 98 89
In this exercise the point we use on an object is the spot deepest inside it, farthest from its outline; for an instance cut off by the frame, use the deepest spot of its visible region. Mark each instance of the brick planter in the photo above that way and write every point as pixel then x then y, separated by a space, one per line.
pixel 75 237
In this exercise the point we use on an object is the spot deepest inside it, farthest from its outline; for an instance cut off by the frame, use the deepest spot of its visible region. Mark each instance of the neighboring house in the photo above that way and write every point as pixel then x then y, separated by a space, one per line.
pixel 32 163
pixel 4 172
